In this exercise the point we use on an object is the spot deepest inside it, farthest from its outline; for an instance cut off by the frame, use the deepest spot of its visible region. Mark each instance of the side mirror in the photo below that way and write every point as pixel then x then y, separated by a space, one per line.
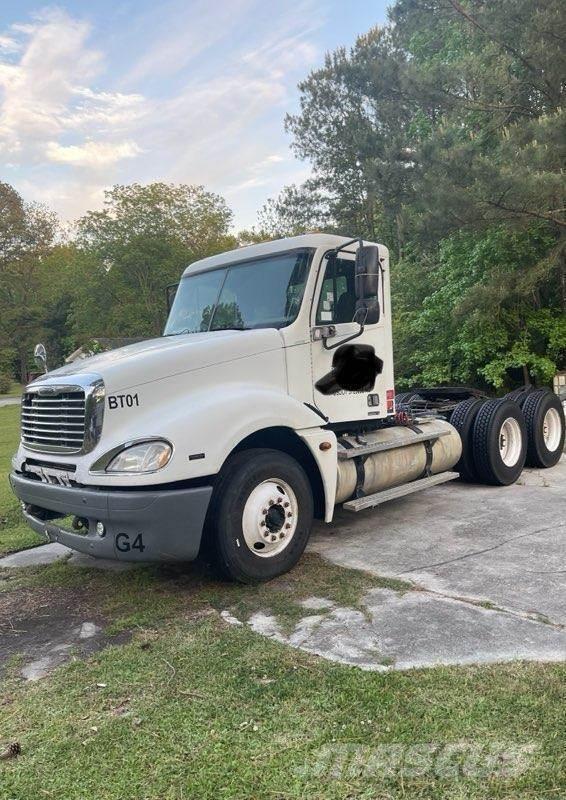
pixel 40 356
pixel 367 284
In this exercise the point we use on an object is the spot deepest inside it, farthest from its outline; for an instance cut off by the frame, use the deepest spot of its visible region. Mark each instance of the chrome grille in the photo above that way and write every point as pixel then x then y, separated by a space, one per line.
pixel 54 421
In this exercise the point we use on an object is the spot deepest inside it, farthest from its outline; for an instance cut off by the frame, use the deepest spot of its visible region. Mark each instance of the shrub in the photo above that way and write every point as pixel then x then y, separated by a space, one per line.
pixel 5 383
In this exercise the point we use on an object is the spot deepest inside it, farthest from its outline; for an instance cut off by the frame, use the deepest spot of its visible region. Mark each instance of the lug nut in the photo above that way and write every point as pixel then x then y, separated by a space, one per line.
pixel 279 499
pixel 274 538
pixel 285 505
pixel 263 522
pixel 289 514
pixel 272 502
pixel 287 525
pixel 264 511
pixel 282 535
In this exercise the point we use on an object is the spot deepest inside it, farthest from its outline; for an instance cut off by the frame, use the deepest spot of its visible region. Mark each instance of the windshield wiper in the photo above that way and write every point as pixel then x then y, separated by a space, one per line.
pixel 224 328
pixel 231 328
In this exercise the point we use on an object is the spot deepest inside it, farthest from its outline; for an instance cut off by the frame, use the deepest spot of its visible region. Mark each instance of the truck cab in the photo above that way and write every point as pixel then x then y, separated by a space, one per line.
pixel 268 400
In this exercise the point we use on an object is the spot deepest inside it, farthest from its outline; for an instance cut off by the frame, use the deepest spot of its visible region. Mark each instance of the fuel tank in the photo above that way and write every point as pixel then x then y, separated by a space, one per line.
pixel 389 468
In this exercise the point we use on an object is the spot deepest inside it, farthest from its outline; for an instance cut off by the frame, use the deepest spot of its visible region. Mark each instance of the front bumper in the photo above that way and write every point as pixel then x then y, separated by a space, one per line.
pixel 156 525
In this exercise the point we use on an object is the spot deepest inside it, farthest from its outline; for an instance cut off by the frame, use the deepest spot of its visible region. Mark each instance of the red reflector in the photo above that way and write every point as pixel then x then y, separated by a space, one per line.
pixel 390 394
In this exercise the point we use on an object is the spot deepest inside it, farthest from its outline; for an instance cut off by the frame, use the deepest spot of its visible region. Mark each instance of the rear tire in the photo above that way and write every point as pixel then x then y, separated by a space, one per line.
pixel 463 418
pixel 261 515
pixel 499 442
pixel 520 395
pixel 404 397
pixel 544 417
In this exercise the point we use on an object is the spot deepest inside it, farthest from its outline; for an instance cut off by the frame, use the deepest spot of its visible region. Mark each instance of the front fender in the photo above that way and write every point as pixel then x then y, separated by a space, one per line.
pixel 220 423
pixel 204 426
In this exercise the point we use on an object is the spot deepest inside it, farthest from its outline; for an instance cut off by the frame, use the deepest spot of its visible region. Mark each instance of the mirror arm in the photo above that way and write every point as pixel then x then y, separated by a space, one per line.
pixel 343 341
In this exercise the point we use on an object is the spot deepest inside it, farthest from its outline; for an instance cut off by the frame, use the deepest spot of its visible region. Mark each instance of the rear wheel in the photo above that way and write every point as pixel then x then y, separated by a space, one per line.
pixel 520 395
pixel 402 398
pixel 544 417
pixel 499 442
pixel 261 515
pixel 463 418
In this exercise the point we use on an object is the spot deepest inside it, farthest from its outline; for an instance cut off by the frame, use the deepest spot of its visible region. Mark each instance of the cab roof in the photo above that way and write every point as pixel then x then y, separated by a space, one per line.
pixel 308 240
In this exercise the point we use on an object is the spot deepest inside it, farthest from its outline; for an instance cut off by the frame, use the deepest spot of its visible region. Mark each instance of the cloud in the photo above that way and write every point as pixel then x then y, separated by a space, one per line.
pixel 197 95
pixel 220 127
pixel 46 94
pixel 8 44
pixel 198 27
pixel 91 154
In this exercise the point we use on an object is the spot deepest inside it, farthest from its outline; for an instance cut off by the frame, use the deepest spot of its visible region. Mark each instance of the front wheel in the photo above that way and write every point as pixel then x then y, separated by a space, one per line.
pixel 261 515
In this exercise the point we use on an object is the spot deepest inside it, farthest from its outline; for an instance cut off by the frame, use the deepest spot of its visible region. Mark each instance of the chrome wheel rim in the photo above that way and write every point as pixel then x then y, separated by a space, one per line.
pixel 510 441
pixel 270 518
pixel 552 429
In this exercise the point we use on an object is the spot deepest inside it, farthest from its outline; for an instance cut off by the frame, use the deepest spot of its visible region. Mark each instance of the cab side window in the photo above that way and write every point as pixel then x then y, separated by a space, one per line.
pixel 337 302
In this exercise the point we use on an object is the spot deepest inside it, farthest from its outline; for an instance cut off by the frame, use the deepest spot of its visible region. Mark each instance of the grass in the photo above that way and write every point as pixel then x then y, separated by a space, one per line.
pixel 194 707
pixel 14 533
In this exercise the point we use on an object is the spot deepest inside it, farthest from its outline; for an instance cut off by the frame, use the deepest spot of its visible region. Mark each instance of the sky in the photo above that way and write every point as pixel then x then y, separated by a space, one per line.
pixel 99 92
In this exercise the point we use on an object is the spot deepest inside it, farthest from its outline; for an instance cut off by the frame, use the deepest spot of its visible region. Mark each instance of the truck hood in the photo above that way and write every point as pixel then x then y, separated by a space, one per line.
pixel 160 358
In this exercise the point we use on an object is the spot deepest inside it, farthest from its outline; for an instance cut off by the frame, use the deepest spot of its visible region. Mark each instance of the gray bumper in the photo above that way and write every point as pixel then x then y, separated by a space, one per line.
pixel 156 525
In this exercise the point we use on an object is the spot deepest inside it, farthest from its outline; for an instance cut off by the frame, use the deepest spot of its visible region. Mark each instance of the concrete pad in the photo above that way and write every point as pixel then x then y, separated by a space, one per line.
pixel 415 629
pixel 10 401
pixel 48 553
pixel 35 556
pixel 500 545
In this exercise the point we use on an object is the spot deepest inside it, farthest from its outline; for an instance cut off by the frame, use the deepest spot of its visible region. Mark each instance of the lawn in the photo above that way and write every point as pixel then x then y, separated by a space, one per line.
pixel 193 707
pixel 190 706
pixel 14 533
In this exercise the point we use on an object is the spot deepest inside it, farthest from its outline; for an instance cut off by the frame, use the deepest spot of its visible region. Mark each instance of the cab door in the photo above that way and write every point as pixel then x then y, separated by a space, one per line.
pixel 335 309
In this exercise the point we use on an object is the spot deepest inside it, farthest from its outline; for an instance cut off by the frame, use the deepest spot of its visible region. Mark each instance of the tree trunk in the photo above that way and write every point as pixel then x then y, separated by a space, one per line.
pixel 23 368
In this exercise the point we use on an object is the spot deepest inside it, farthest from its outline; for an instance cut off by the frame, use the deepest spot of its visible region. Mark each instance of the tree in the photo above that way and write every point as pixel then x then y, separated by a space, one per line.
pixel 27 233
pixel 137 245
pixel 444 132
pixel 296 210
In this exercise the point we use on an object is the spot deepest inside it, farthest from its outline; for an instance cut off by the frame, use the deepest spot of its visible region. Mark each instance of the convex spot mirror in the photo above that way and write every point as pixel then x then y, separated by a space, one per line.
pixel 40 356
pixel 367 269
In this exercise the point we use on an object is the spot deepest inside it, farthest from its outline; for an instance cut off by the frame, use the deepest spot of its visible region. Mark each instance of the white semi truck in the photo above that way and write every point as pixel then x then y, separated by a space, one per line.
pixel 268 401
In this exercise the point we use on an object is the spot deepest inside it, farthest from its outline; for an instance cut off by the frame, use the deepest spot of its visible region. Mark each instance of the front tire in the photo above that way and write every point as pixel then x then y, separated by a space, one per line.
pixel 261 515
pixel 499 442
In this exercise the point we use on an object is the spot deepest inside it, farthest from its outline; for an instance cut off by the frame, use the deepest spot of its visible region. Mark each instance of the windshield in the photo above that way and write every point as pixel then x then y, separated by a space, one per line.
pixel 263 293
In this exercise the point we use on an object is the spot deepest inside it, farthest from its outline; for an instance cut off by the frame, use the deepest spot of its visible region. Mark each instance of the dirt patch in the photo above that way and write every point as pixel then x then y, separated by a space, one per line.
pixel 42 628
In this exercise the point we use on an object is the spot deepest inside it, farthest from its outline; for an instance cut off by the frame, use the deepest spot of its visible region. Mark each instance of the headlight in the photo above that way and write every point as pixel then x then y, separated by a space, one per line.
pixel 142 457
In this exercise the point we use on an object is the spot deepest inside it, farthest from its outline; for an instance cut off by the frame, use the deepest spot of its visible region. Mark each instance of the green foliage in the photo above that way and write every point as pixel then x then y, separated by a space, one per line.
pixel 475 321
pixel 138 244
pixel 27 233
pixel 442 135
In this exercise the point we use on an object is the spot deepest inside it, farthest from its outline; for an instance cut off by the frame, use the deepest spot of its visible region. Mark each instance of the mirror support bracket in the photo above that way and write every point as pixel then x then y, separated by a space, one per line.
pixel 342 341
